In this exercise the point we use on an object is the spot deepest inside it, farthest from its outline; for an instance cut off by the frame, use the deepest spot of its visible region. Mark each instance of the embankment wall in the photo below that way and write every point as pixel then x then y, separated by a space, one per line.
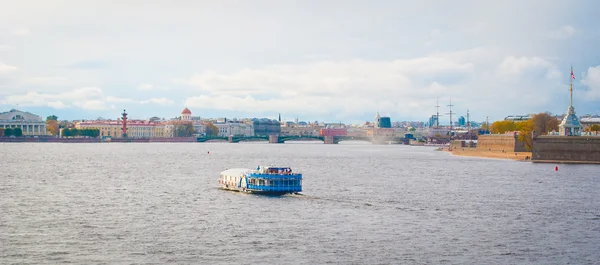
pixel 499 142
pixel 566 149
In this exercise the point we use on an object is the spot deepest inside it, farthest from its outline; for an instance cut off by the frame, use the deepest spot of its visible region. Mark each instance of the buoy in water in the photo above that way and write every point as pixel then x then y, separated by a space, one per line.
pixel 556 168
pixel 209 152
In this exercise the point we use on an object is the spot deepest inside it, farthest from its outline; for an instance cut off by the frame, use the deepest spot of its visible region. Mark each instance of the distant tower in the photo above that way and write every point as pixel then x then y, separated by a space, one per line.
pixel 570 125
pixel 124 128
pixel 186 114
pixel 279 118
pixel 377 120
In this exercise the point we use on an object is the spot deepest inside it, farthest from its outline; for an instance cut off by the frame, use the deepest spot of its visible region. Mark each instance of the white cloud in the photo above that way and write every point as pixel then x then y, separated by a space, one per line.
pixel 4 48
pixel 434 36
pixel 47 80
pixel 561 33
pixel 406 88
pixel 159 101
pixel 338 61
pixel 151 87
pixel 5 69
pixel 118 100
pixel 58 105
pixel 518 67
pixel 89 98
pixel 91 104
pixel 145 87
pixel 22 32
pixel 592 81
pixel 356 77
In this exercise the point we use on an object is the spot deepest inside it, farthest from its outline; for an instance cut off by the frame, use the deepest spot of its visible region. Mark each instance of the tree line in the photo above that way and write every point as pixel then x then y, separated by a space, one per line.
pixel 74 132
pixel 539 124
pixel 17 132
pixel 186 129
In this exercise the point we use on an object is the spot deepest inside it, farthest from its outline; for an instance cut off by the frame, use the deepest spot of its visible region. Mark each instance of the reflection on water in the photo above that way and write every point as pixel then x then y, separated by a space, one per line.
pixel 362 204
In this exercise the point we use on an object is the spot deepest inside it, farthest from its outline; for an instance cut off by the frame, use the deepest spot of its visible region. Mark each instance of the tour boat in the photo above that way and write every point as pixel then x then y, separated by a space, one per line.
pixel 263 180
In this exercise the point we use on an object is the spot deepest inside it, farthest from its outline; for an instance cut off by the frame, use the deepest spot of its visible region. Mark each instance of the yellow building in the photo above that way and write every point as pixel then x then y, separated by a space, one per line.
pixel 135 128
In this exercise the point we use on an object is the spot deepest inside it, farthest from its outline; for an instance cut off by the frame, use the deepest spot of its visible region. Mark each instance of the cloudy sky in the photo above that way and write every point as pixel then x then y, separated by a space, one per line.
pixel 323 60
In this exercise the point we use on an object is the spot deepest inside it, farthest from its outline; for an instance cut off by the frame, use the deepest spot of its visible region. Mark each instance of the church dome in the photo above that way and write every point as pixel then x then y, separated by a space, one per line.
pixel 186 111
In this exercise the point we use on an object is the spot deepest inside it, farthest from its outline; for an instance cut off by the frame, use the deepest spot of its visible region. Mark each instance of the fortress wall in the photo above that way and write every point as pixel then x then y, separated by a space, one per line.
pixel 499 142
pixel 575 149
pixel 455 144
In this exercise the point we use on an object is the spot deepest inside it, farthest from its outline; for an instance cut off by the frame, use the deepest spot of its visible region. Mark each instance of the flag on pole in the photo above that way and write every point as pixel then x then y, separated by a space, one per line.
pixel 572 74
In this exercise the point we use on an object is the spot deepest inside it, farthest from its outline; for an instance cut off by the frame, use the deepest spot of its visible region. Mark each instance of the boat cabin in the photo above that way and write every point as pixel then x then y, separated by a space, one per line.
pixel 275 170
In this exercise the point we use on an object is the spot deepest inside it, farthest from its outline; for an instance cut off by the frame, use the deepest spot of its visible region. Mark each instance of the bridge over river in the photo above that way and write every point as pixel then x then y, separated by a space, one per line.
pixel 286 138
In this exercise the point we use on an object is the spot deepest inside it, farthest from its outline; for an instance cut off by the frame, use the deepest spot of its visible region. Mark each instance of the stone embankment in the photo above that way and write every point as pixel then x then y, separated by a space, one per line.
pixel 95 140
pixel 521 156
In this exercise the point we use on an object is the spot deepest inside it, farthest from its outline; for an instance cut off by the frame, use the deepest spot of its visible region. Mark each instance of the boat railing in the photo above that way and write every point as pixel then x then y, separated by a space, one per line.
pixel 275 188
pixel 275 176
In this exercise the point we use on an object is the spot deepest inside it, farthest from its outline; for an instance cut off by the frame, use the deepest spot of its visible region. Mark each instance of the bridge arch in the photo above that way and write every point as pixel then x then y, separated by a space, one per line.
pixel 283 139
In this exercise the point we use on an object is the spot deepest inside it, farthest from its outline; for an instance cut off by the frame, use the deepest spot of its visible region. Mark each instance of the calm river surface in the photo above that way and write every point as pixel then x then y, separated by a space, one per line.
pixel 158 203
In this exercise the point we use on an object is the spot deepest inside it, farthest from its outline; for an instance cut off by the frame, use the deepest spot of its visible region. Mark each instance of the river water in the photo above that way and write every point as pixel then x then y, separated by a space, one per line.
pixel 158 203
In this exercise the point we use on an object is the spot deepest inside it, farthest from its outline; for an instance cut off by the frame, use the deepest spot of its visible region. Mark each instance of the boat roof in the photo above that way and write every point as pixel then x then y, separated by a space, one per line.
pixel 235 171
pixel 274 167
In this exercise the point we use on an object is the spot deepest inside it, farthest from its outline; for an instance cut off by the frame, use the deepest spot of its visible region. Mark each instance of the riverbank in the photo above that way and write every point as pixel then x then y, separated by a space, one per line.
pixel 521 156
pixel 96 140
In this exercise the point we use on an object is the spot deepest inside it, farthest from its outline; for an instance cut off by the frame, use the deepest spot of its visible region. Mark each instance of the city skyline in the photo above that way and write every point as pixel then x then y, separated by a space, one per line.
pixel 327 61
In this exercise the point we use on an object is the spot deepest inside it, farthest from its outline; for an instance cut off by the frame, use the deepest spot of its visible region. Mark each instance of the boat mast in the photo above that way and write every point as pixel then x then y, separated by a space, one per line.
pixel 437 113
pixel 468 123
pixel 450 114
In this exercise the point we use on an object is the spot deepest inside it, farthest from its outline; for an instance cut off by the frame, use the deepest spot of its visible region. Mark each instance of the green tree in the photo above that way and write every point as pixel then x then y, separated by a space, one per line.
pixel 8 132
pixel 89 132
pixel 17 132
pixel 503 127
pixel 52 124
pixel 211 129
pixel 525 129
pixel 184 129
pixel 95 133
pixel 594 128
pixel 544 123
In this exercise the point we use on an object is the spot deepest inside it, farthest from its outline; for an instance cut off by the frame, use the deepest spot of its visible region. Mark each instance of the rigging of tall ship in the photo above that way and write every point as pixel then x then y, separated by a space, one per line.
pixel 262 180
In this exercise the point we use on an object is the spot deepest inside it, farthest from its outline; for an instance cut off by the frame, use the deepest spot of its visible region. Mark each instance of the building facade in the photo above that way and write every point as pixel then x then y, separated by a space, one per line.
pixel 29 123
pixel 135 128
pixel 264 127
pixel 232 128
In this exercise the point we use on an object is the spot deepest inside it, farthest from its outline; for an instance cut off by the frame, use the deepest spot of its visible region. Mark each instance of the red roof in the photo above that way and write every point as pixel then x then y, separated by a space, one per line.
pixel 186 111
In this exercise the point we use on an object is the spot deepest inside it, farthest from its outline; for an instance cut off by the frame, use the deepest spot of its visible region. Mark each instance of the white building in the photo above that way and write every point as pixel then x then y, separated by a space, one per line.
pixel 29 123
pixel 235 129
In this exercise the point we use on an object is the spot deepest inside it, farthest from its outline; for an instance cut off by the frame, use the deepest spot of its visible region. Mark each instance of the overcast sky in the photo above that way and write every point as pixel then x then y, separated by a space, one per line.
pixel 315 60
